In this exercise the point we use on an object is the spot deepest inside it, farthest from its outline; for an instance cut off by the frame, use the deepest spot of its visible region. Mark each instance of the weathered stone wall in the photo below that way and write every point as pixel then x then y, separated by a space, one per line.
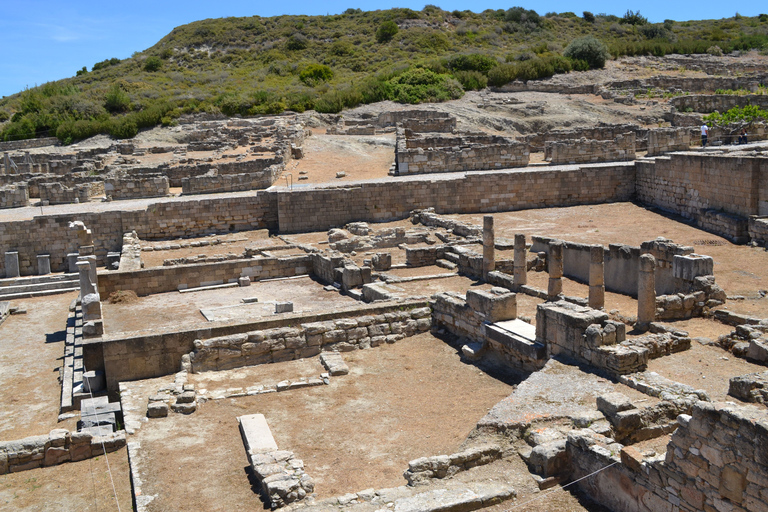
pixel 58 447
pixel 14 196
pixel 49 234
pixel 207 184
pixel 307 340
pixel 691 84
pixel 392 118
pixel 58 193
pixel 179 277
pixel 537 141
pixel 586 150
pixel 687 183
pixel 125 188
pixel 758 229
pixel 665 140
pixel 432 125
pixel 416 154
pixel 377 201
pixel 715 460
pixel 144 356
pixel 14 145
pixel 708 103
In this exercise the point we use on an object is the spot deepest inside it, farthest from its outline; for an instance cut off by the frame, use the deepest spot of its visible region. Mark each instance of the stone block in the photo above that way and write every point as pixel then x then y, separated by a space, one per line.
pixel 157 410
pixel 284 307
pixel 257 437
pixel 691 266
pixel 612 403
pixel 496 307
pixel 12 264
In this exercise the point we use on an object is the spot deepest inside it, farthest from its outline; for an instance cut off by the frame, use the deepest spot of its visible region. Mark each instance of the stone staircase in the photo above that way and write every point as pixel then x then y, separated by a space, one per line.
pixel 38 286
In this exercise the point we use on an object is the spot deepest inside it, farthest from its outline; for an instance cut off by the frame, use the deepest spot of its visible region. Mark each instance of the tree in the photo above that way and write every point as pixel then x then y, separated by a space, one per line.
pixel 589 17
pixel 386 31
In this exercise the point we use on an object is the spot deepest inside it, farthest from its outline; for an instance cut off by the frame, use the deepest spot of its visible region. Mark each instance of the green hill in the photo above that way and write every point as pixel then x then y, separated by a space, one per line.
pixel 255 65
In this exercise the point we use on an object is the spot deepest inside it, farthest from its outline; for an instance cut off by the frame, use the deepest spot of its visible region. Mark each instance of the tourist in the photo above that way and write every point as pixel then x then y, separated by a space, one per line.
pixel 743 136
pixel 704 134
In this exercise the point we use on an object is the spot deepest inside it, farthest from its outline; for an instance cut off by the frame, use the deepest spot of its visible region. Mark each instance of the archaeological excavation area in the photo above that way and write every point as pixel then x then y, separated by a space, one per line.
pixel 391 310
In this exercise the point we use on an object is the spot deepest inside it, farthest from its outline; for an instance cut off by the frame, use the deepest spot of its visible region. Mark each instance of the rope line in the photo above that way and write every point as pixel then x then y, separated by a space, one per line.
pixel 563 487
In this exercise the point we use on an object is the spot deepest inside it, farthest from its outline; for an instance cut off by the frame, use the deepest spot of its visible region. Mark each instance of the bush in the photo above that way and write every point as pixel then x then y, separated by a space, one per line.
pixel 123 128
pixel 715 50
pixel 472 62
pixel 589 49
pixel 501 75
pixel 314 74
pixel 81 72
pixel 296 42
pixel 386 31
pixel 633 18
pixel 417 85
pixel 116 99
pixel 152 64
pixel 471 80
pixel 588 17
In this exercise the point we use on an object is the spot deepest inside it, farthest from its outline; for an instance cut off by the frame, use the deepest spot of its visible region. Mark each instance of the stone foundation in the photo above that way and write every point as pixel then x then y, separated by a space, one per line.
pixel 14 196
pixel 208 184
pixel 127 188
pixel 590 151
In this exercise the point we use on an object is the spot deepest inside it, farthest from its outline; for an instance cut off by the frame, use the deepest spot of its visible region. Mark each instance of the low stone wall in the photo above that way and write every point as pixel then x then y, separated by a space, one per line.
pixel 666 140
pixel 431 125
pixel 588 151
pixel 58 193
pixel 179 277
pixel 231 182
pixel 134 356
pixel 306 340
pixel 58 447
pixel 14 145
pixel 14 196
pixel 538 141
pixel 694 84
pixel 715 460
pixel 758 229
pixel 424 469
pixel 708 103
pixel 752 387
pixel 420 155
pixel 123 188
pixel 394 117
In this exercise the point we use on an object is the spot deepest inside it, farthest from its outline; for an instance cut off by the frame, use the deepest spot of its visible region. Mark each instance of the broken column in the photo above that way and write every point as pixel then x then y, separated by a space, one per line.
pixel 489 262
pixel 7 162
pixel 596 277
pixel 12 264
pixel 520 262
pixel 86 286
pixel 84 238
pixel 646 291
pixel 72 262
pixel 43 264
pixel 555 267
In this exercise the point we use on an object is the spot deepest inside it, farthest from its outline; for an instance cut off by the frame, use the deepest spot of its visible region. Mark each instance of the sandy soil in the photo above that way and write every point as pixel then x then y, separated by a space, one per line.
pixel 358 432
pixel 359 157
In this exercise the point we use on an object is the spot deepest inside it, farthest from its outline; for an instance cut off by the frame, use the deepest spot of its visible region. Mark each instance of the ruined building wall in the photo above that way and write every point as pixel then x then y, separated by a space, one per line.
pixel 14 196
pixel 14 145
pixel 58 193
pixel 207 184
pixel 666 140
pixel 147 186
pixel 537 141
pixel 586 150
pixel 709 189
pixel 707 103
pixel 393 117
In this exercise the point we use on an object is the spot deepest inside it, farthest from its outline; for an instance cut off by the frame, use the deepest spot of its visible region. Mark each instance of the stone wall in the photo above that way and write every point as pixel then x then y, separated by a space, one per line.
pixel 691 84
pixel 180 277
pixel 758 229
pixel 208 184
pixel 172 218
pixel 14 145
pixel 14 196
pixel 126 188
pixel 666 140
pixel 688 183
pixel 307 340
pixel 716 460
pixel 377 201
pixel 58 193
pixel 58 447
pixel 142 356
pixel 586 151
pixel 708 103
pixel 432 125
pixel 537 141
pixel 419 154
pixel 392 118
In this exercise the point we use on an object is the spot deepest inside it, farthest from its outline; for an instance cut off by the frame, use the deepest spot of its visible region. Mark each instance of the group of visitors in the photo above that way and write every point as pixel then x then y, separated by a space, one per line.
pixel 705 135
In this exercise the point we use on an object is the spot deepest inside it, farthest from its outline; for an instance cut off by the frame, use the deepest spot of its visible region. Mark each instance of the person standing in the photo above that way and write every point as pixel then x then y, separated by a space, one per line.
pixel 743 136
pixel 704 134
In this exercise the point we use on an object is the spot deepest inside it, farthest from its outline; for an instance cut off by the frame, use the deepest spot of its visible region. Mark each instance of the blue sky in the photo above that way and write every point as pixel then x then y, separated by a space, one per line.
pixel 48 40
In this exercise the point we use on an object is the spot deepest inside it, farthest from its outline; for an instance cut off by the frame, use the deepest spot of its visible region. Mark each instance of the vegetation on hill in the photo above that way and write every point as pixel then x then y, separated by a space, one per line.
pixel 255 65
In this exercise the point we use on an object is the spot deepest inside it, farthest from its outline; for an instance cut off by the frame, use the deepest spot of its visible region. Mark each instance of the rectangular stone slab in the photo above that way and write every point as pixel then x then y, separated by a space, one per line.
pixel 256 434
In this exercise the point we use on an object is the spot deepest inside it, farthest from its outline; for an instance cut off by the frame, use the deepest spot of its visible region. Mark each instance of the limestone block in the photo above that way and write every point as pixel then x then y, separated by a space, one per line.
pixel 495 306
pixel 612 403
pixel 11 264
pixel 691 266
pixel 91 305
pixel 284 307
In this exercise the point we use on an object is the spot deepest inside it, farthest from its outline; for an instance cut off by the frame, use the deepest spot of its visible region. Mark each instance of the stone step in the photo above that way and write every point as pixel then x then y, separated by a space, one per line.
pixel 27 280
pixel 33 287
pixel 41 293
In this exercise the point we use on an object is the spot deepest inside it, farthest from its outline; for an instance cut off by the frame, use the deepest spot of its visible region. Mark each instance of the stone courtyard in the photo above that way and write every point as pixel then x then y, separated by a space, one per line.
pixel 409 309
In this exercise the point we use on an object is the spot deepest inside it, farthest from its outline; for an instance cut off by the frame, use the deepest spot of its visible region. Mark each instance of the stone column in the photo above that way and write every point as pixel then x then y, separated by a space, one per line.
pixel 596 277
pixel 72 262
pixel 489 261
pixel 7 162
pixel 12 264
pixel 555 267
pixel 521 261
pixel 92 275
pixel 43 264
pixel 646 291
pixel 86 286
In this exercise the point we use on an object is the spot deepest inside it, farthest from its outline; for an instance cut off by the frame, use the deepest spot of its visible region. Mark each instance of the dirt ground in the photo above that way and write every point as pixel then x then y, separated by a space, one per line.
pixel 399 402
pixel 31 353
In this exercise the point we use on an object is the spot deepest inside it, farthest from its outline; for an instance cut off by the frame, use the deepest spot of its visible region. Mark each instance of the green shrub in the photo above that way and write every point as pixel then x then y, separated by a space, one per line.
pixel 471 80
pixel 589 49
pixel 501 75
pixel 314 74
pixel 116 99
pixel 633 18
pixel 105 64
pixel 81 72
pixel 715 50
pixel 472 62
pixel 297 42
pixel 588 17
pixel 386 31
pixel 417 85
pixel 123 128
pixel 763 18
pixel 748 114
pixel 152 64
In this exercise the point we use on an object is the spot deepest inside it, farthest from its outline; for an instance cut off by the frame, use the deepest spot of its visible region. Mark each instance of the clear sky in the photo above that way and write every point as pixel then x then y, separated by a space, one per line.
pixel 44 40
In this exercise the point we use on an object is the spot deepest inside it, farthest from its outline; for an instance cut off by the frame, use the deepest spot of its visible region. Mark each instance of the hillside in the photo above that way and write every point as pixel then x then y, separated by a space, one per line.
pixel 252 66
